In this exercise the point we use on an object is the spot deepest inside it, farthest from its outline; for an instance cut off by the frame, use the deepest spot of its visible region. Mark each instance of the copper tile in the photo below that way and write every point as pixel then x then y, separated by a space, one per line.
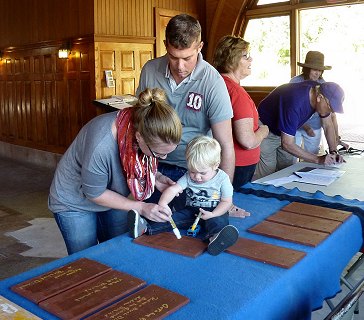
pixel 58 280
pixel 92 295
pixel 289 233
pixel 267 253
pixel 317 211
pixel 304 221
pixel 167 241
pixel 152 303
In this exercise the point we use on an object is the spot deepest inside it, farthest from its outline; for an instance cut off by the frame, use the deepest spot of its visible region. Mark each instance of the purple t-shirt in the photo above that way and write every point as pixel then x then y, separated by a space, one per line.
pixel 287 107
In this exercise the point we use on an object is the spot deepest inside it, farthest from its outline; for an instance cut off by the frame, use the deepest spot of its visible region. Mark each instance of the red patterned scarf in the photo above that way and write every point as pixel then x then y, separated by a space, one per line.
pixel 140 169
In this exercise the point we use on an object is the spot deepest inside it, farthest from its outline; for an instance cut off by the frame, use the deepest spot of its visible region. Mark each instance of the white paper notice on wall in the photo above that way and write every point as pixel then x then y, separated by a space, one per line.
pixel 110 83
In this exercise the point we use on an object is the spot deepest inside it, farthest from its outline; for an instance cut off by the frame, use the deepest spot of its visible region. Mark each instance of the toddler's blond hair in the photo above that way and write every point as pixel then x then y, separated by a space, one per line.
pixel 203 152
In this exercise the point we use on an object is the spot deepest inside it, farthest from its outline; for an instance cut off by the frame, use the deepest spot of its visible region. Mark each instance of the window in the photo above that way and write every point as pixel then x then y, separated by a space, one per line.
pixel 263 2
pixel 334 32
pixel 270 50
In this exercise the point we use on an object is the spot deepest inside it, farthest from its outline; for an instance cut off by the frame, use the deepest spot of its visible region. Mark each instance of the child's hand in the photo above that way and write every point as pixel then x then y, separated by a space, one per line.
pixel 206 214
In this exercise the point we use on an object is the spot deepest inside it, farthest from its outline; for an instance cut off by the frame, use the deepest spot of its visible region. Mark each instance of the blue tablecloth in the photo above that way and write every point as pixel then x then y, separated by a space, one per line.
pixel 227 286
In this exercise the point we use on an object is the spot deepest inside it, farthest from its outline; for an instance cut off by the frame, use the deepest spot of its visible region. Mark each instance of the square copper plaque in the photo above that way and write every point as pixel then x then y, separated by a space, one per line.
pixel 167 241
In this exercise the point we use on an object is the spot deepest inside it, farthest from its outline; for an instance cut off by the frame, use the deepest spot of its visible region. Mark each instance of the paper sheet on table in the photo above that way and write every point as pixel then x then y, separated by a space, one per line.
pixel 280 181
pixel 315 179
pixel 323 172
pixel 322 177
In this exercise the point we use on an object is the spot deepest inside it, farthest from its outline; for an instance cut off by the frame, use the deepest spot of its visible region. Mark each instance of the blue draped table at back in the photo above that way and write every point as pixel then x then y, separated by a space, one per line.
pixel 346 193
pixel 227 286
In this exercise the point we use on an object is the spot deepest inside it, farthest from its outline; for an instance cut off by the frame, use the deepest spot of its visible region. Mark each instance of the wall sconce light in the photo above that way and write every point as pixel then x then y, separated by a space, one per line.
pixel 64 51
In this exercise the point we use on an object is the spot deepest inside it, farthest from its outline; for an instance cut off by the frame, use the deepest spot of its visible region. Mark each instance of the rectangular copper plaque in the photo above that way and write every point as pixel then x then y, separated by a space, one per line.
pixel 289 233
pixel 92 295
pixel 152 303
pixel 317 211
pixel 267 253
pixel 58 280
pixel 303 221
pixel 167 241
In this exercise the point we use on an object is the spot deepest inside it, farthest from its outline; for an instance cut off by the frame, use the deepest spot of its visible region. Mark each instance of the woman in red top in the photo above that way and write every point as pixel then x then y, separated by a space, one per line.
pixel 233 61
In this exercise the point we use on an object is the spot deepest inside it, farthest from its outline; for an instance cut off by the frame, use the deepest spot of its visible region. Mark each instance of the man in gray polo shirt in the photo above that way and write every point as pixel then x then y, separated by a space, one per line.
pixel 195 90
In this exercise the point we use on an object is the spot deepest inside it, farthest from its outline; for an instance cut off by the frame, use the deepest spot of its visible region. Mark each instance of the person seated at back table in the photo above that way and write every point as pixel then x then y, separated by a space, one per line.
pixel 208 190
pixel 309 135
pixel 285 110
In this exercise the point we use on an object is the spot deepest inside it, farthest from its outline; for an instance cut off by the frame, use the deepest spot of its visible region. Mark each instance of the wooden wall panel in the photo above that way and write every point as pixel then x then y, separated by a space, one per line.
pixel 135 18
pixel 34 21
pixel 28 109
pixel 44 100
pixel 50 112
pixel 125 60
pixel 9 114
pixel 20 112
pixel 2 109
pixel 37 115
pixel 62 128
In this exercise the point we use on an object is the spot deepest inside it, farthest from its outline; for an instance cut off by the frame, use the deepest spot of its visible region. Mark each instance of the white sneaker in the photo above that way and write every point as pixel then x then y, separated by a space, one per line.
pixel 223 240
pixel 137 225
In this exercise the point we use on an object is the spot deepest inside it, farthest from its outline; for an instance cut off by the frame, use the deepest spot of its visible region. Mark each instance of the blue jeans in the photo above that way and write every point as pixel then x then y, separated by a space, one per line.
pixel 184 219
pixel 174 173
pixel 242 175
pixel 81 230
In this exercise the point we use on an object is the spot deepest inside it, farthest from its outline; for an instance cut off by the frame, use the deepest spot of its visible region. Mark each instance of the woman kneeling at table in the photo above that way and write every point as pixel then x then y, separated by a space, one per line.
pixel 114 155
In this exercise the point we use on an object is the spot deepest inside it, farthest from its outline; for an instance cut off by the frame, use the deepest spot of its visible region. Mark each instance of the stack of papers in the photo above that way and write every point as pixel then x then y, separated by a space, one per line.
pixel 322 177
pixel 309 175
pixel 119 102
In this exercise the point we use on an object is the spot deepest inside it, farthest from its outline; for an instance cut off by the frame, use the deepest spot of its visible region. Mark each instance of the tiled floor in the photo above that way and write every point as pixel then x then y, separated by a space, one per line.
pixel 29 236
pixel 23 206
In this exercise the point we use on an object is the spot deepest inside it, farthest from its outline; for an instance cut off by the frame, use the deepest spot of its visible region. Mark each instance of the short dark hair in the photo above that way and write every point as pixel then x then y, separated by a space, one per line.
pixel 182 31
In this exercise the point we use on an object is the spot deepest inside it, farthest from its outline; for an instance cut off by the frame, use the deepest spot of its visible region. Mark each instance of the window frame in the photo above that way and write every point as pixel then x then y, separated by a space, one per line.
pixel 291 9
